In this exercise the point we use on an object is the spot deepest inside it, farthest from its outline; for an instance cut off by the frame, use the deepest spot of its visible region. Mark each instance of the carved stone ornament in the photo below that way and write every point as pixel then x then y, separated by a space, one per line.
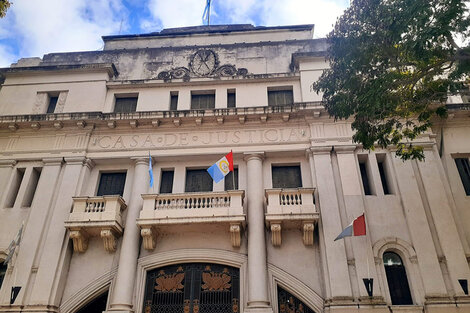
pixel 148 236
pixel 276 234
pixel 235 236
pixel 308 229
pixel 109 240
pixel 203 63
pixel 79 239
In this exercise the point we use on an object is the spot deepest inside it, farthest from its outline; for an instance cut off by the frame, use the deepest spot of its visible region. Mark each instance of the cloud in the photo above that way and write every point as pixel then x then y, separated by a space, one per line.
pixel 7 56
pixel 177 13
pixel 43 26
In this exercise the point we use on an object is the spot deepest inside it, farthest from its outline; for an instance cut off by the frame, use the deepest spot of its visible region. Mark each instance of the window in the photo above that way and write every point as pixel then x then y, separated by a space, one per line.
pixel 198 180
pixel 464 171
pixel 97 305
pixel 397 281
pixel 231 99
pixel 174 101
pixel 111 184
pixel 3 270
pixel 229 179
pixel 286 176
pixel 52 104
pixel 202 100
pixel 364 174
pixel 15 187
pixel 280 97
pixel 383 174
pixel 125 105
pixel 289 303
pixel 166 183
pixel 31 187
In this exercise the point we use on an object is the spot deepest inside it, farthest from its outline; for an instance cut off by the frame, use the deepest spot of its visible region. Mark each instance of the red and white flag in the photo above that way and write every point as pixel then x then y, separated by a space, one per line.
pixel 356 228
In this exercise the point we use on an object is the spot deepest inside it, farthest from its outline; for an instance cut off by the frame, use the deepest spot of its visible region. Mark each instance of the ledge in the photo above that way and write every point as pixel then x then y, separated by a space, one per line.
pixel 93 67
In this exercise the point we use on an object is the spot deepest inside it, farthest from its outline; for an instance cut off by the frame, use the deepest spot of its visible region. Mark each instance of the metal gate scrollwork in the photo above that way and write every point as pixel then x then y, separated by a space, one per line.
pixel 192 288
pixel 290 304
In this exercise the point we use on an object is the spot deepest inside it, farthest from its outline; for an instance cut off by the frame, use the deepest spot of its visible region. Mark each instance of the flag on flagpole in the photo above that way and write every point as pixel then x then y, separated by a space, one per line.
pixel 150 170
pixel 221 167
pixel 14 243
pixel 356 228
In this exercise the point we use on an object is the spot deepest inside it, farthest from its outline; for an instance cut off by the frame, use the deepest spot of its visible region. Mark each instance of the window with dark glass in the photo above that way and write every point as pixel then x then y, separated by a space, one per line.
pixel 166 184
pixel 365 177
pixel 202 100
pixel 125 105
pixel 397 280
pixel 174 101
pixel 230 178
pixel 288 303
pixel 280 97
pixel 111 184
pixel 3 270
pixel 286 176
pixel 15 187
pixel 383 174
pixel 198 180
pixel 97 305
pixel 31 187
pixel 231 98
pixel 52 104
pixel 463 167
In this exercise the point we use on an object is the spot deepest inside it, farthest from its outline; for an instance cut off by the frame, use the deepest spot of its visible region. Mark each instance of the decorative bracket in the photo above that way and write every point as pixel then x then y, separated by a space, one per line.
pixel 149 237
pixel 276 238
pixel 79 239
pixel 308 228
pixel 235 235
pixel 109 239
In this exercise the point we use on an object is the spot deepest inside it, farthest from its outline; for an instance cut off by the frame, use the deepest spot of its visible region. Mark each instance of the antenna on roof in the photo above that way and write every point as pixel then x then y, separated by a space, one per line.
pixel 207 13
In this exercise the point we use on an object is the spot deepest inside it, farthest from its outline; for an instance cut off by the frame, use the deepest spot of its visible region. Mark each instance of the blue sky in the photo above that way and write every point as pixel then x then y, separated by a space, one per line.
pixel 33 28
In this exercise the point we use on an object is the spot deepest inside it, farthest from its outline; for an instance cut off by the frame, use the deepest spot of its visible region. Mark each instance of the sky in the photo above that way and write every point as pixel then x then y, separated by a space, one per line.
pixel 33 28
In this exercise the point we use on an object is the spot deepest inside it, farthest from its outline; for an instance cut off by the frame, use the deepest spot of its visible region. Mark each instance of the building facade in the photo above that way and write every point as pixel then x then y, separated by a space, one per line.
pixel 79 132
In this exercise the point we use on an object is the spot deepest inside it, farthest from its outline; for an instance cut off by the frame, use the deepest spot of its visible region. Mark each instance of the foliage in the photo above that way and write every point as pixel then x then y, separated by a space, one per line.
pixel 393 64
pixel 4 5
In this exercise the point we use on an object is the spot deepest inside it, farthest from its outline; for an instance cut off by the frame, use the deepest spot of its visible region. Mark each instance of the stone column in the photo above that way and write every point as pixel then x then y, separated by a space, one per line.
pixel 121 299
pixel 257 268
pixel 337 266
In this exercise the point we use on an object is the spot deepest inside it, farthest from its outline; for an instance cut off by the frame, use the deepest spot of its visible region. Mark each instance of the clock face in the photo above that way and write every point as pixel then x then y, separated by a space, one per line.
pixel 203 62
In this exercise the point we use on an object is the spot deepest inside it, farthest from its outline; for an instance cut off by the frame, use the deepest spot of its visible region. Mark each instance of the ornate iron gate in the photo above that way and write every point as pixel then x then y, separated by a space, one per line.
pixel 290 304
pixel 192 288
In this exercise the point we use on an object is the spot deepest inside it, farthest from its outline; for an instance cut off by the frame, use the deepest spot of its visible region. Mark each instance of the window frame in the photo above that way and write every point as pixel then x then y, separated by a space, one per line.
pixel 275 92
pixel 200 94
pixel 466 169
pixel 201 170
pixel 283 165
pixel 118 97
pixel 406 273
pixel 100 175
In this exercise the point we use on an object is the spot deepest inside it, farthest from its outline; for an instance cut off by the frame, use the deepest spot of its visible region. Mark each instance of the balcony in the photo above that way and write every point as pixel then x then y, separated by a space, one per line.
pixel 95 216
pixel 291 208
pixel 198 207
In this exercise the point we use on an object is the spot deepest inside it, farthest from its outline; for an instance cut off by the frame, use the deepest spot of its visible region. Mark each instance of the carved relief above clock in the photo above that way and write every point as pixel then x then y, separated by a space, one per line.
pixel 203 63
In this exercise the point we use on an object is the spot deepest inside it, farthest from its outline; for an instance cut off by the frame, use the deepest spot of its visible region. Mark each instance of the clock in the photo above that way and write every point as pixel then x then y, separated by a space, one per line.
pixel 203 62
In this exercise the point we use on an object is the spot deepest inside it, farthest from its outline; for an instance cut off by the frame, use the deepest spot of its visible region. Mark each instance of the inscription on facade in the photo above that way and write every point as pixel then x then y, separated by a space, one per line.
pixel 183 139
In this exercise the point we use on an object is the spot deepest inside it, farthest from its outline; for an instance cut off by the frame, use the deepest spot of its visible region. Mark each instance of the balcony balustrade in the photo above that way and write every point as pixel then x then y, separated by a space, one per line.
pixel 96 216
pixel 291 208
pixel 201 207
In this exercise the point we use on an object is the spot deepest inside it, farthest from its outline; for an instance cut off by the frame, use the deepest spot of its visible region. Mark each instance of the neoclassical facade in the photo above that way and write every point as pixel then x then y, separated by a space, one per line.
pixel 78 131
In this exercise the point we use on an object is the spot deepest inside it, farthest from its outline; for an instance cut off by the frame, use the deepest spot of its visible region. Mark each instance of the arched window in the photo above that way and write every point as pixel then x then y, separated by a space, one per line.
pixel 3 270
pixel 397 279
pixel 97 305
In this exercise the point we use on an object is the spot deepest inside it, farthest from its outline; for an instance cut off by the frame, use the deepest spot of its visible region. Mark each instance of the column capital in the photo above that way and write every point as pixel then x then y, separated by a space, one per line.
pixel 74 160
pixel 89 163
pixel 253 155
pixel 7 163
pixel 52 161
pixel 320 150
pixel 140 160
pixel 343 149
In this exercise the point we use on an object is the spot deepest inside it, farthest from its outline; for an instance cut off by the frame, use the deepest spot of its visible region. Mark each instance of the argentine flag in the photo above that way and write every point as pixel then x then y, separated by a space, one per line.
pixel 150 171
pixel 221 167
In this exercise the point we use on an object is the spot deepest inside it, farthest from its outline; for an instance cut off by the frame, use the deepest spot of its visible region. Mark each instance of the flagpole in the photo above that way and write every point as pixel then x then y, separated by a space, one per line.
pixel 233 174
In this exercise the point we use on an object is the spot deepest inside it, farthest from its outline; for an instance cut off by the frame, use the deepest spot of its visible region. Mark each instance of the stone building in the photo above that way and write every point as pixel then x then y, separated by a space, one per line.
pixel 76 132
